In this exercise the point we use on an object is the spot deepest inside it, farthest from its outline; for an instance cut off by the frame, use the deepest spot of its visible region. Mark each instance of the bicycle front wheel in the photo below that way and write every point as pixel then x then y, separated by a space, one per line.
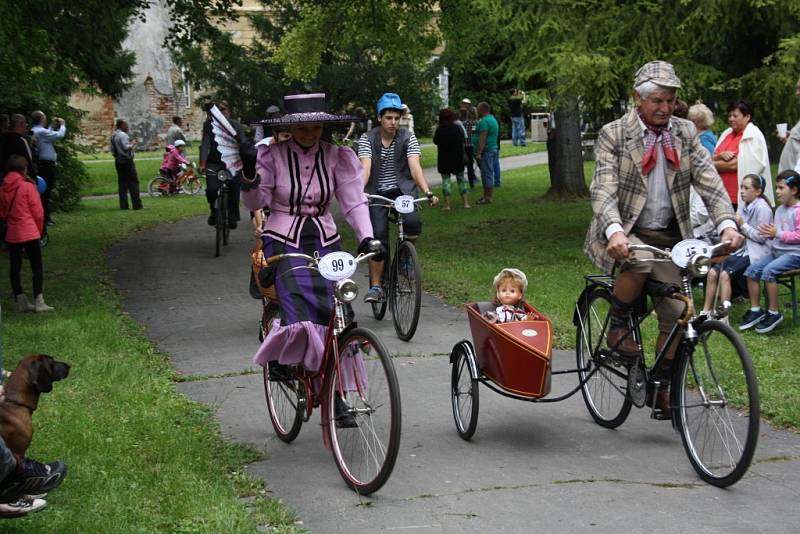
pixel 219 209
pixel 405 291
pixel 158 187
pixel 192 186
pixel 365 433
pixel 717 405
pixel 379 308
pixel 604 385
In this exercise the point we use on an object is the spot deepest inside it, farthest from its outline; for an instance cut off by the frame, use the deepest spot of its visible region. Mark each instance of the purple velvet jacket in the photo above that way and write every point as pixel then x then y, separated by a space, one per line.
pixel 298 184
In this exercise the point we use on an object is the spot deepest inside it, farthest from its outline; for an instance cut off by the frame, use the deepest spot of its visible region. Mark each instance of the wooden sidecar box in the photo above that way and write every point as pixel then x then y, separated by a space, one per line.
pixel 515 355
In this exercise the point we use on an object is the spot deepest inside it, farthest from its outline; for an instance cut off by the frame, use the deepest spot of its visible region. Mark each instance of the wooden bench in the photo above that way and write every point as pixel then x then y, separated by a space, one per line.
pixel 787 280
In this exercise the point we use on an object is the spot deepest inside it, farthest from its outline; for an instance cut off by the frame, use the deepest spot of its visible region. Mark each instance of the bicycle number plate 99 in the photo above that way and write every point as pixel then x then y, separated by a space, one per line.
pixel 337 266
pixel 404 204
pixel 683 251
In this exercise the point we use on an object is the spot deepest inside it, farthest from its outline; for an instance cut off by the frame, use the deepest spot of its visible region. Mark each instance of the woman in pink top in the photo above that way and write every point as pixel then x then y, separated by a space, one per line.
pixel 21 207
pixel 297 180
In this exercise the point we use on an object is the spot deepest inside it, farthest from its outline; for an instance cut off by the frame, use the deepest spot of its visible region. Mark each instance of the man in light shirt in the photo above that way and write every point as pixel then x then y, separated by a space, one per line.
pixel 45 137
pixel 646 163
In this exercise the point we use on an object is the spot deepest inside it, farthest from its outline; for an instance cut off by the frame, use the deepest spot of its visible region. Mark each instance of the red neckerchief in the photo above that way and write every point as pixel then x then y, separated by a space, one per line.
pixel 667 144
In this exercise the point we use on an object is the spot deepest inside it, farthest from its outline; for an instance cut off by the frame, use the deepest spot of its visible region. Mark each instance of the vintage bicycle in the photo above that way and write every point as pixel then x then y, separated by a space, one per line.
pixel 402 272
pixel 714 402
pixel 356 372
pixel 187 181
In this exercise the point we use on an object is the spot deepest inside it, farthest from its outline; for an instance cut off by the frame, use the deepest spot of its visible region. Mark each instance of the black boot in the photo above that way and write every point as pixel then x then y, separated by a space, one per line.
pixel 342 415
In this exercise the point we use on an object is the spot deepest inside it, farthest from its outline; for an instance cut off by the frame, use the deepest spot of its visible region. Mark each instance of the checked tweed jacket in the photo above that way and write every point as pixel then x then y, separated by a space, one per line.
pixel 619 191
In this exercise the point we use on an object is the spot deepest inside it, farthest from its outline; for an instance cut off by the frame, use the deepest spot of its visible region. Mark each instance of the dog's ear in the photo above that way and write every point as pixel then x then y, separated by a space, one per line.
pixel 41 376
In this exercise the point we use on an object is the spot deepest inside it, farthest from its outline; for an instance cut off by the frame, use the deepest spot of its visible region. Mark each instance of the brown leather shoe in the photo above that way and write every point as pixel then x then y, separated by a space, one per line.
pixel 626 346
pixel 662 411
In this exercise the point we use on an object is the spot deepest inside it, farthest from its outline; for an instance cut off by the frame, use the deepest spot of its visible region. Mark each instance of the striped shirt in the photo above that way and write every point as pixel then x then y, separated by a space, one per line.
pixel 388 177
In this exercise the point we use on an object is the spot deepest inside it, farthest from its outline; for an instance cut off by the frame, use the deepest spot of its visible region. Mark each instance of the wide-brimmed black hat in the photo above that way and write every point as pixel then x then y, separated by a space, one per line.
pixel 306 108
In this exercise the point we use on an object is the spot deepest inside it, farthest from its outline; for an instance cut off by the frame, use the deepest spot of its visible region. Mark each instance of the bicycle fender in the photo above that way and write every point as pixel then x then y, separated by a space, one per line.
pixel 582 298
pixel 472 361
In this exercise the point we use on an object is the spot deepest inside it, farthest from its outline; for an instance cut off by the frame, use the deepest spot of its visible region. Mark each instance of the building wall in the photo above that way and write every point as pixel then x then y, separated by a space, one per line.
pixel 158 91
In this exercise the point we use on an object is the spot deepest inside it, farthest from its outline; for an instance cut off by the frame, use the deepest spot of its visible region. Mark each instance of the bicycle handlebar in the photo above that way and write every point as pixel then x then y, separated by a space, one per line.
pixel 312 260
pixel 664 255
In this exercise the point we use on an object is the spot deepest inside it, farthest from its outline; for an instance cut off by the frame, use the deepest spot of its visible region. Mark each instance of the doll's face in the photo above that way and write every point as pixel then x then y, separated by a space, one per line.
pixel 509 293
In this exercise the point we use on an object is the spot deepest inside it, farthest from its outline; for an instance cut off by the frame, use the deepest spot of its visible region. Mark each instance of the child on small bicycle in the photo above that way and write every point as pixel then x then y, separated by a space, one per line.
pixel 784 239
pixel 510 285
pixel 753 211
pixel 174 161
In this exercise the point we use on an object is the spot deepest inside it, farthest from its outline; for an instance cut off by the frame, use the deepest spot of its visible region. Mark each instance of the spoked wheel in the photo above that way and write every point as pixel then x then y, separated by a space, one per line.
pixel 220 209
pixel 365 437
pixel 192 186
pixel 405 292
pixel 717 405
pixel 379 308
pixel 158 187
pixel 604 391
pixel 464 389
pixel 286 404
pixel 287 399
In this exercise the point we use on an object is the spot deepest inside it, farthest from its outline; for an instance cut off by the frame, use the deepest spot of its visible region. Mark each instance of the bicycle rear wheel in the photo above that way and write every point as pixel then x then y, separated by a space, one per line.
pixel 463 390
pixel 604 392
pixel 365 450
pixel 405 292
pixel 158 187
pixel 717 405
pixel 286 405
pixel 379 308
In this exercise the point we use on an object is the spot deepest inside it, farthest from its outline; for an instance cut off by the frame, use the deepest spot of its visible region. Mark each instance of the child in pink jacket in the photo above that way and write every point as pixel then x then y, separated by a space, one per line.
pixel 21 207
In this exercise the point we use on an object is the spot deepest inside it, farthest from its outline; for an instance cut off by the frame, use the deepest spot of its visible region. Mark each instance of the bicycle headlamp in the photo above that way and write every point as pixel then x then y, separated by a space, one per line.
pixel 346 290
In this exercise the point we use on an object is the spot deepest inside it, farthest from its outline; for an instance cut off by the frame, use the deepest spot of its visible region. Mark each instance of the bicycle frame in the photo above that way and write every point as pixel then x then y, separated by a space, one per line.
pixel 337 325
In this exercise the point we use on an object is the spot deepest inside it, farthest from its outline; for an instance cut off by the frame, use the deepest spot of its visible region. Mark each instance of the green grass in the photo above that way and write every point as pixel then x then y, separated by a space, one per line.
pixel 141 457
pixel 462 250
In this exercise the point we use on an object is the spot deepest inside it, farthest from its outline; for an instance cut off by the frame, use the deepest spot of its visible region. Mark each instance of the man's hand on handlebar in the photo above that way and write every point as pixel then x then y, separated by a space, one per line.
pixel 735 238
pixel 432 199
pixel 617 246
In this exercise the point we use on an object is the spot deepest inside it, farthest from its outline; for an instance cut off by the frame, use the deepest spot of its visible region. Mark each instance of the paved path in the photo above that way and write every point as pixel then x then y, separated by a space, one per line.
pixel 529 468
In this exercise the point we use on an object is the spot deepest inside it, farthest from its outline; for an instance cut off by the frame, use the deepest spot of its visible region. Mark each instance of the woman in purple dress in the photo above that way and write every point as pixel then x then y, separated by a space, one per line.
pixel 297 180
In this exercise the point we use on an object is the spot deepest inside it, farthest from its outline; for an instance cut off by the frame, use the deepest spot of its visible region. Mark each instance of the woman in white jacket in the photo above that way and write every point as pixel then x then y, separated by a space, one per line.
pixel 742 150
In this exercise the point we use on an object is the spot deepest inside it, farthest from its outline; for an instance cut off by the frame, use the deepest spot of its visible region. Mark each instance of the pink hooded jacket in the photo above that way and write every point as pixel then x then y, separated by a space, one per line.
pixel 24 214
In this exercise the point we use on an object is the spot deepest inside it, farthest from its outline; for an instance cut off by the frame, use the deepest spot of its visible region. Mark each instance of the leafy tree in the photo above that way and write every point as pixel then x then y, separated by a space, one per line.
pixel 585 53
pixel 51 49
pixel 352 50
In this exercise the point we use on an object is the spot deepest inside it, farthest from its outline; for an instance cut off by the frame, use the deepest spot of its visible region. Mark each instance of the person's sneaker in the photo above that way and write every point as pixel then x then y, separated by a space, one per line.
pixel 375 294
pixel 212 219
pixel 21 507
pixel 342 415
pixel 750 319
pixel 769 322
pixel 30 478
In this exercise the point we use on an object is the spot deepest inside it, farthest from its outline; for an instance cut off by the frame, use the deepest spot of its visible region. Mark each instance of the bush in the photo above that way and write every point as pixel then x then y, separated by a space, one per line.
pixel 71 176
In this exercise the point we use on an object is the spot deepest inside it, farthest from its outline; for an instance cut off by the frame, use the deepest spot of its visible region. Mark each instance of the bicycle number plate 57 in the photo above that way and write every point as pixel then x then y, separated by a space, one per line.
pixel 404 204
pixel 337 266
pixel 683 251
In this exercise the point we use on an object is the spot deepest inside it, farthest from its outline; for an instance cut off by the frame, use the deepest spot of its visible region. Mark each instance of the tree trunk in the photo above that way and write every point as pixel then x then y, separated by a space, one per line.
pixel 565 159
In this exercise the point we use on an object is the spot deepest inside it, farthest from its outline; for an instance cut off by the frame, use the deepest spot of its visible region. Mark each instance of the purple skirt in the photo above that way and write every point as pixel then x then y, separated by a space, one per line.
pixel 306 305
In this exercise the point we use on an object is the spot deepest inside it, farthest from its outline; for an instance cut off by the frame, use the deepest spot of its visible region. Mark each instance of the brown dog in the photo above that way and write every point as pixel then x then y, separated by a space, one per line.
pixel 33 376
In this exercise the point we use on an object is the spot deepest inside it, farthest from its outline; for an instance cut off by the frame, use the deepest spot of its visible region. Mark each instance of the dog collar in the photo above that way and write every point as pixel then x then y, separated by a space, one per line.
pixel 19 403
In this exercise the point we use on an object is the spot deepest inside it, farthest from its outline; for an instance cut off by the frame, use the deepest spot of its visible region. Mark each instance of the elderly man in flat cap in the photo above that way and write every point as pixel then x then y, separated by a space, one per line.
pixel 646 162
